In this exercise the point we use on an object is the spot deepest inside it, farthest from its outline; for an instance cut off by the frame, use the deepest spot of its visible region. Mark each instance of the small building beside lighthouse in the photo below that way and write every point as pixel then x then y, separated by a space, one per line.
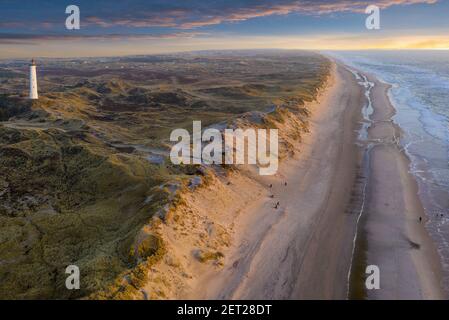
pixel 33 81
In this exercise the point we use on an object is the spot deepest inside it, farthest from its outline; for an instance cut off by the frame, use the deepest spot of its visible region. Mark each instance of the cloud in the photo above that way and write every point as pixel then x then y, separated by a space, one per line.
pixel 130 22
pixel 195 16
pixel 175 19
pixel 11 24
pixel 7 38
pixel 182 14
pixel 439 43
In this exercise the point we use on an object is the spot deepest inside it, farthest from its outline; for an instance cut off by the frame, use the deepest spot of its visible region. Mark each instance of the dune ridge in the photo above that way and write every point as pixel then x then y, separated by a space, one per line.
pixel 236 244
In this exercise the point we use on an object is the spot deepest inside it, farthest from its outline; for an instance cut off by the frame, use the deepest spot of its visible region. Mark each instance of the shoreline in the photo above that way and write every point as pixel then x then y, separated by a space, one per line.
pixel 391 234
pixel 341 210
pixel 301 250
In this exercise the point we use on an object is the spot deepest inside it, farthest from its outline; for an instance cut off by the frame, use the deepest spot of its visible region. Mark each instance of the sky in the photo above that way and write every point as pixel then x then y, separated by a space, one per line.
pixel 30 28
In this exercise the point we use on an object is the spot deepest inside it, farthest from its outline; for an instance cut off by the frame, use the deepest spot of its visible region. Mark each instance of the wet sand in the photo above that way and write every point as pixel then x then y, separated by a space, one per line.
pixel 391 235
pixel 343 204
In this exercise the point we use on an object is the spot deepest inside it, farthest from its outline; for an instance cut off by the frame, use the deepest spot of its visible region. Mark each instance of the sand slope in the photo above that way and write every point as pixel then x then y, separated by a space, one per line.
pixel 300 250
pixel 229 241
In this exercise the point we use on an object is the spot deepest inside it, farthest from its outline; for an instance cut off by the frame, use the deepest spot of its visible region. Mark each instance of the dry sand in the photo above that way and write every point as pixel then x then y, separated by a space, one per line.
pixel 304 248
pixel 300 250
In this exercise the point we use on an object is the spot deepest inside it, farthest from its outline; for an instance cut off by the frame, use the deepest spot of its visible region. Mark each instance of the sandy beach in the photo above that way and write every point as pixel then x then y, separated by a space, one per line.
pixel 227 151
pixel 343 204
pixel 297 250
pixel 391 233
pixel 302 249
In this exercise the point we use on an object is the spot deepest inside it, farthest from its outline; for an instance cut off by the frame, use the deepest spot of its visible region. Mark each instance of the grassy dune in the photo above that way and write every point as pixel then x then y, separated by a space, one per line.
pixel 77 186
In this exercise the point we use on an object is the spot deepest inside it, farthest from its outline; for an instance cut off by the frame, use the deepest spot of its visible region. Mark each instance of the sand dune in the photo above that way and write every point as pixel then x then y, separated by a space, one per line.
pixel 334 201
pixel 300 250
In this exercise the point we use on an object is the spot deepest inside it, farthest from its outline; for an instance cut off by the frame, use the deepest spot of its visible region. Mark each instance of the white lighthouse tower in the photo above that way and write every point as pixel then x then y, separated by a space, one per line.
pixel 33 81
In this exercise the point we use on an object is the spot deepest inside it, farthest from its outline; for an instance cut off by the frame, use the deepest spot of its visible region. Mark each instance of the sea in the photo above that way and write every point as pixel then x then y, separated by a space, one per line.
pixel 420 94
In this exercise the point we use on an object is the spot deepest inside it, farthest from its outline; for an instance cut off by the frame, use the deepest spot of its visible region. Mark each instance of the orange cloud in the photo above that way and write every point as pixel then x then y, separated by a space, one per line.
pixel 188 18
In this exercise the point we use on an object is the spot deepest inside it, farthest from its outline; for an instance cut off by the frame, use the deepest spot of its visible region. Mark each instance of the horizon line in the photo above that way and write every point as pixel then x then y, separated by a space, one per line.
pixel 318 50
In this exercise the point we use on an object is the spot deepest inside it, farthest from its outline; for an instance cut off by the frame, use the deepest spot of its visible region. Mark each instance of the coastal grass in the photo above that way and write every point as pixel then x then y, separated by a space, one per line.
pixel 68 196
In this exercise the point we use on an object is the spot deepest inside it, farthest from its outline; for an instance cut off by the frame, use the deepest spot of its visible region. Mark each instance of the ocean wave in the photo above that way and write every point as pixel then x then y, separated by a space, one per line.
pixel 420 94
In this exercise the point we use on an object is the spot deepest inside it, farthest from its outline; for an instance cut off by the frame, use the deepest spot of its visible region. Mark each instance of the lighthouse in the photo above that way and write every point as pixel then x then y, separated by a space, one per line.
pixel 33 81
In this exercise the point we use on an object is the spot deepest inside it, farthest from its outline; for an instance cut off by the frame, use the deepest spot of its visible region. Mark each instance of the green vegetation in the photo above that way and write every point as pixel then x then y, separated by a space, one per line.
pixel 67 200
pixel 11 106
pixel 81 169
pixel 206 256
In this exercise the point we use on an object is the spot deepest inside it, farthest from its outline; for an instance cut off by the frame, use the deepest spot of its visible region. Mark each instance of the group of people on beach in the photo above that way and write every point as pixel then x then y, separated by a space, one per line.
pixel 276 206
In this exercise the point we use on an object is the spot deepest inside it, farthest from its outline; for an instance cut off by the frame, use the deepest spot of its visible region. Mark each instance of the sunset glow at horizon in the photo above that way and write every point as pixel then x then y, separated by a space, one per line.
pixel 153 27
